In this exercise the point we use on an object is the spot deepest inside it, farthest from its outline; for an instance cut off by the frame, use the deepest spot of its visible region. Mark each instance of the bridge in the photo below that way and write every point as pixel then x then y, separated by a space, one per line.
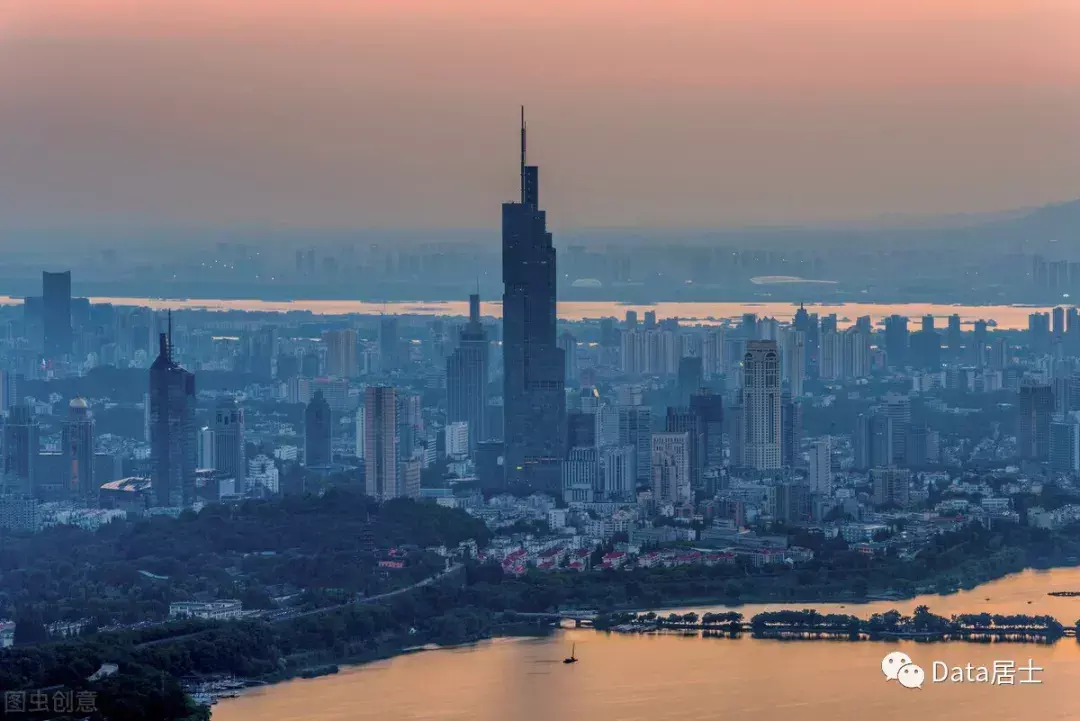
pixel 581 619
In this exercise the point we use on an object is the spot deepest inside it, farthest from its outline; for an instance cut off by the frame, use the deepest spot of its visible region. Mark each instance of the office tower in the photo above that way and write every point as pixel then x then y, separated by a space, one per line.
pixel 821 477
pixel 580 429
pixel 204 445
pixel 360 433
pixel 1035 407
pixel 873 440
pixel 609 334
pixel 761 418
pixel 259 354
pixel 1059 322
pixel 791 426
pixel 954 336
pixel 230 454
pixel 650 319
pixel 709 408
pixel 892 486
pixel 811 335
pixel 618 473
pixel 580 476
pixel 341 353
pixel 831 356
pixel 389 344
pixel 685 420
pixel 172 428
pixel 457 439
pixel 691 378
pixel 1039 333
pixel 78 444
pixel 855 363
pixel 21 447
pixel 318 432
pixel 928 324
pixel 790 502
pixel 568 345
pixel 670 465
pixel 923 446
pixel 631 319
pixel 533 395
pixel 635 429
pixel 999 354
pixel 926 350
pixel 1065 446
pixel 381 445
pixel 896 340
pixel 467 378
pixel 712 353
pixel 56 313
pixel 898 408
pixel 977 357
pixel 795 361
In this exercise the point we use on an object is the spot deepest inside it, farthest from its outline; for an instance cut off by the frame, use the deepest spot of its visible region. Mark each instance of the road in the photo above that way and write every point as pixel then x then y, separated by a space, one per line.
pixel 282 616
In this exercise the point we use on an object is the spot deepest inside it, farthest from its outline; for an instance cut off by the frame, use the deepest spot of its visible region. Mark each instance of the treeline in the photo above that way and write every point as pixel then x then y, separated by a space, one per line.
pixel 253 550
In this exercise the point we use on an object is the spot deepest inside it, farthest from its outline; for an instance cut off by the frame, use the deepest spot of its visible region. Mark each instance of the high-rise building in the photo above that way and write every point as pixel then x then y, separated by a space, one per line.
pixel 761 416
pixel 318 432
pixel 791 427
pixel 360 434
pixel 21 447
pixel 709 408
pixel 568 345
pixel 533 395
pixel 954 336
pixel 873 440
pixel 259 353
pixel 978 345
pixel 467 378
pixel 78 438
pixel 671 468
pixel 341 353
pixel 896 340
pixel 635 429
pixel 898 407
pixel 685 420
pixel 56 313
pixel 1065 446
pixel 691 378
pixel 1059 322
pixel 172 428
pixel 618 475
pixel 1039 333
pixel 794 353
pixel 891 486
pixel 457 439
pixel 1035 408
pixel 581 475
pixel 204 444
pixel 230 453
pixel 922 446
pixel 381 451
pixel 389 344
pixel 790 502
pixel 821 477
pixel 855 363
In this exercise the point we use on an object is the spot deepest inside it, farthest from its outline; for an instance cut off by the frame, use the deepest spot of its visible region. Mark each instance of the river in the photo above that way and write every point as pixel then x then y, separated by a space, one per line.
pixel 1007 317
pixel 676 678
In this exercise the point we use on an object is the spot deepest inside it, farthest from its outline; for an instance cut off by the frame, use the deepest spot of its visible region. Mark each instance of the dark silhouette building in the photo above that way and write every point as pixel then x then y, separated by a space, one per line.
pixel 533 394
pixel 21 446
pixel 467 378
pixel 78 435
pixel 896 340
pixel 873 441
pixel 230 454
pixel 56 313
pixel 691 378
pixel 318 425
pixel 173 449
pixel 1036 408
pixel 709 408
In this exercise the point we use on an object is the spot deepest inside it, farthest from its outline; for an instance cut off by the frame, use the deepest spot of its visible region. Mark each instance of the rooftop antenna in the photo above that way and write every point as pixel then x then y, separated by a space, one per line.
pixel 523 154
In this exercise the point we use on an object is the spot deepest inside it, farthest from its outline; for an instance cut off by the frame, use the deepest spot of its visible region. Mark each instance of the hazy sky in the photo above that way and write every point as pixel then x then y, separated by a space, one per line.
pixel 403 113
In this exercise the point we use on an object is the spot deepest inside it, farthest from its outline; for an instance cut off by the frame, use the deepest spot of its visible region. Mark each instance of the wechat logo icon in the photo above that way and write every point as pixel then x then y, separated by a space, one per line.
pixel 897 666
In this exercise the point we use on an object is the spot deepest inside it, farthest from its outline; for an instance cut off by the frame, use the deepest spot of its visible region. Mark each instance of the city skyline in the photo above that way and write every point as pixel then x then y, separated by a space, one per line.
pixel 688 115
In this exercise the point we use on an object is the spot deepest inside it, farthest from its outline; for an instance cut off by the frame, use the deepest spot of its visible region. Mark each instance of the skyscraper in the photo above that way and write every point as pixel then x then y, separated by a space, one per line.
pixel 318 432
pixel 873 440
pixel 710 411
pixel 381 426
pixel 230 454
pixel 762 423
pixel 21 446
pixel 691 378
pixel 78 437
pixel 791 427
pixel 389 344
pixel 685 420
pixel 533 395
pixel 1035 407
pixel 635 429
pixel 898 408
pixel 896 340
pixel 172 428
pixel 671 468
pixel 821 477
pixel 467 378
pixel 56 313
pixel 341 357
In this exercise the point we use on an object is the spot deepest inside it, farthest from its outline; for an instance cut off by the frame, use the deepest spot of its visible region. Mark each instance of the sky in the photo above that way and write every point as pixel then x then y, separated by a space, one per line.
pixel 642 113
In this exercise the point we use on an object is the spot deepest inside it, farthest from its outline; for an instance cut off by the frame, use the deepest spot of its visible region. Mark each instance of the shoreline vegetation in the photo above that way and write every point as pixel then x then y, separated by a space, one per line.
pixel 157 664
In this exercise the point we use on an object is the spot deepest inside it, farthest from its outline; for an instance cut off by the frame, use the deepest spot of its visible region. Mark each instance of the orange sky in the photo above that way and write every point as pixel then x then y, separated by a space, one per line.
pixel 662 113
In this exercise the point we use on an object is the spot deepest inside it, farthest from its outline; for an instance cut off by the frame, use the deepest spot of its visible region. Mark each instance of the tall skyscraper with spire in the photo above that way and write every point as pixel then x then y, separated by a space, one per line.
pixel 172 428
pixel 533 396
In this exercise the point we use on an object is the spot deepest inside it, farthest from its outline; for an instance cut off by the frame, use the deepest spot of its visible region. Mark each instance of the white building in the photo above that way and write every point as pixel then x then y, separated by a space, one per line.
pixel 671 468
pixel 761 419
pixel 213 610
pixel 262 471
pixel 457 439
pixel 821 477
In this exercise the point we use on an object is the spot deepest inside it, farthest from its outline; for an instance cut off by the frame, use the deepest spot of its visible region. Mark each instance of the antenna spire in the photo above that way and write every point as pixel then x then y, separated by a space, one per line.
pixel 522 153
